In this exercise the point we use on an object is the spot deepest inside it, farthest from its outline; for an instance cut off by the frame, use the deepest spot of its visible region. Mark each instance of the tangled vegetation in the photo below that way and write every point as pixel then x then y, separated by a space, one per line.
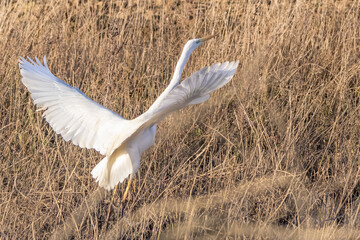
pixel 272 155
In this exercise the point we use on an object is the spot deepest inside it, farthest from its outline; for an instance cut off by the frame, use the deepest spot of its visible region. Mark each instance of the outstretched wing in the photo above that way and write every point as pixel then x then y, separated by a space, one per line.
pixel 193 90
pixel 70 112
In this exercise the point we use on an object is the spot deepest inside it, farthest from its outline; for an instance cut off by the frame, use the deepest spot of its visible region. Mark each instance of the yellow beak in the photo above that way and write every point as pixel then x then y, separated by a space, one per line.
pixel 207 38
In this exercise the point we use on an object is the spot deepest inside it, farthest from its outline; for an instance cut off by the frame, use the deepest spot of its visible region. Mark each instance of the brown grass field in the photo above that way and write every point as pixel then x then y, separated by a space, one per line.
pixel 274 154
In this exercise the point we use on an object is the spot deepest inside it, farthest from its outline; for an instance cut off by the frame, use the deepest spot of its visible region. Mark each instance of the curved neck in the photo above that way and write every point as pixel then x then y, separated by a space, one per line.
pixel 188 49
pixel 179 68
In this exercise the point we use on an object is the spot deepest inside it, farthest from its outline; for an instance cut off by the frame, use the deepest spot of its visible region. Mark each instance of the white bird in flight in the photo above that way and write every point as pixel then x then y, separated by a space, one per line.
pixel 88 124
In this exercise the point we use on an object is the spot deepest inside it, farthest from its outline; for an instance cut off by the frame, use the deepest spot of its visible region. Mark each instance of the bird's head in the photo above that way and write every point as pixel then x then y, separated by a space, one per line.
pixel 189 47
pixel 194 43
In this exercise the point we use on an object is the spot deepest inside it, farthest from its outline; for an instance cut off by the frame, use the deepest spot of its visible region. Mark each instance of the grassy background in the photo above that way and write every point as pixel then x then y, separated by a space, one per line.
pixel 272 155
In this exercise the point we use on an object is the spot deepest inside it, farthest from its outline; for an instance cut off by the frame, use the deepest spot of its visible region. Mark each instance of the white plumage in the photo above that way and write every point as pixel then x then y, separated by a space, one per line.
pixel 88 124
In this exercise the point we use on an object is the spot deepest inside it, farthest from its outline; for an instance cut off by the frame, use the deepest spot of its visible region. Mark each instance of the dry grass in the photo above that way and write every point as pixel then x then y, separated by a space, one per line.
pixel 273 155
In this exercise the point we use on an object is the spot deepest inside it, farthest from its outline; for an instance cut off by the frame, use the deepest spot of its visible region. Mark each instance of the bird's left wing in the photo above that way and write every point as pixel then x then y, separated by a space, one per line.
pixel 193 90
pixel 70 112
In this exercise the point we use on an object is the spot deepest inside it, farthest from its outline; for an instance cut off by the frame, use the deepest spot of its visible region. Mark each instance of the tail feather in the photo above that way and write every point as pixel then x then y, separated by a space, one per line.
pixel 109 173
pixel 100 173
pixel 120 170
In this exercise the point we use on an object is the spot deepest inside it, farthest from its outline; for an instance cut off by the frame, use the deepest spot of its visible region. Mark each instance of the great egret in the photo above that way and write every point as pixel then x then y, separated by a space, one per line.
pixel 88 124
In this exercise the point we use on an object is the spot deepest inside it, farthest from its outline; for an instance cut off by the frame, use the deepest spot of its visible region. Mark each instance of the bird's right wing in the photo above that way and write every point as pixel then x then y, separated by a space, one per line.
pixel 193 90
pixel 70 112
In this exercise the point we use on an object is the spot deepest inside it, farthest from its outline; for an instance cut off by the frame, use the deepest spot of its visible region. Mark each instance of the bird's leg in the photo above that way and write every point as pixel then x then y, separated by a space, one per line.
pixel 126 190
pixel 123 203
pixel 114 192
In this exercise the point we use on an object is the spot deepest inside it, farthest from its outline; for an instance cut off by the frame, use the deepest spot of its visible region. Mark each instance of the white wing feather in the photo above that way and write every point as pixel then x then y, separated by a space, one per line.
pixel 70 112
pixel 193 90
